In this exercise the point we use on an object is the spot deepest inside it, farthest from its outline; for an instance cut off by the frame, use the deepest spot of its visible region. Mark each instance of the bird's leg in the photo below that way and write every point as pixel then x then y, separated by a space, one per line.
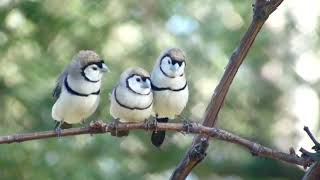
pixel 114 126
pixel 82 122
pixel 150 123
pixel 155 124
pixel 187 124
pixel 57 128
pixel 313 156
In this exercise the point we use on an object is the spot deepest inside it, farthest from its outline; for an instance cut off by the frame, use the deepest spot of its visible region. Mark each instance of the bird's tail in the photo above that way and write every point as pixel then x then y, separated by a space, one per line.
pixel 64 125
pixel 157 137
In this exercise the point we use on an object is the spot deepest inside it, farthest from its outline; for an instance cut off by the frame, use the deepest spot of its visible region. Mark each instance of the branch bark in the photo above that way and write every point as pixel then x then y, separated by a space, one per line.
pixel 313 172
pixel 98 127
pixel 262 9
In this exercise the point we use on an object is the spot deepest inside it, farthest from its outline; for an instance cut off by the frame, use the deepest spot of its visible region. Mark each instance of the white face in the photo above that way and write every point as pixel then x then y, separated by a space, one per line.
pixel 93 72
pixel 140 85
pixel 172 68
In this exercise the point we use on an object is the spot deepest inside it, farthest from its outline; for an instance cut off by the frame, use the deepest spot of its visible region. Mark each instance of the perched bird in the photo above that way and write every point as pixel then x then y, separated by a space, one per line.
pixel 77 92
pixel 170 89
pixel 132 98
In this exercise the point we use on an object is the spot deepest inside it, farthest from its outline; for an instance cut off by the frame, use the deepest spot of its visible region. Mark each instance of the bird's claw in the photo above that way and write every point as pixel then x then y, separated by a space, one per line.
pixel 114 129
pixel 151 124
pixel 58 131
pixel 187 125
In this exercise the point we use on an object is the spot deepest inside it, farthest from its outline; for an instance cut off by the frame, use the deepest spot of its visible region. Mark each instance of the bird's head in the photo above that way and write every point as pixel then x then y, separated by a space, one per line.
pixel 137 80
pixel 173 62
pixel 91 65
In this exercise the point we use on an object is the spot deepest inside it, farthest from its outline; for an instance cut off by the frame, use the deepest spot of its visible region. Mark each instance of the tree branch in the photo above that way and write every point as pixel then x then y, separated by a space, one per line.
pixel 98 127
pixel 313 172
pixel 262 9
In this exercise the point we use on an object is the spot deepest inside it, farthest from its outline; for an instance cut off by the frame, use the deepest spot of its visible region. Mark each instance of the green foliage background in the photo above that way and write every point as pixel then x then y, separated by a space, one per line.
pixel 38 38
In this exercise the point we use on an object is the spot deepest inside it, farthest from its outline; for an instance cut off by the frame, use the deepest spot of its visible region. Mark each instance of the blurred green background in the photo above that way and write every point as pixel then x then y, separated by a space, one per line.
pixel 275 93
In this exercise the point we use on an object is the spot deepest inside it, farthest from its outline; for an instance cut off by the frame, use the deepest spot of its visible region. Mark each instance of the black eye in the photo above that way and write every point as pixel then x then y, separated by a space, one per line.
pixel 169 61
pixel 138 79
pixel 94 68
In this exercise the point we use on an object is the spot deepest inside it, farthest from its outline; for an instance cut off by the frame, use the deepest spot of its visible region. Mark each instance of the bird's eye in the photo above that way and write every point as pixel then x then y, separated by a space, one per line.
pixel 94 68
pixel 138 79
pixel 169 62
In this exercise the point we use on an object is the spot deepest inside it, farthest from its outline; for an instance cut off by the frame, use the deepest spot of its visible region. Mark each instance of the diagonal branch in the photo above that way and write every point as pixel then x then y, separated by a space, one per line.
pixel 99 127
pixel 262 9
pixel 313 172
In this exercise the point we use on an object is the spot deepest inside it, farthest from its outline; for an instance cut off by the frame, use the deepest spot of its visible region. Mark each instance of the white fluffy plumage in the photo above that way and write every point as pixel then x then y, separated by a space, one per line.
pixel 77 89
pixel 168 75
pixel 132 98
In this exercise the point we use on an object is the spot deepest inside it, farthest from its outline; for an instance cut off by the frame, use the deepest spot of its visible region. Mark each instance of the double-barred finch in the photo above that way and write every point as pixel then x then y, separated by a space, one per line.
pixel 77 91
pixel 170 89
pixel 132 98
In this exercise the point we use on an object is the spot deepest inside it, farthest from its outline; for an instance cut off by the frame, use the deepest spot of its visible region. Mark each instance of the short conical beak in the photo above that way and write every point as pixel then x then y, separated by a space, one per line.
pixel 174 67
pixel 104 68
pixel 145 85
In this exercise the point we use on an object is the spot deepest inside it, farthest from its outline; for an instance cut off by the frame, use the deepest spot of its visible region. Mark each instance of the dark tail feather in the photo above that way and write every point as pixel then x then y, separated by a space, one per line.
pixel 64 125
pixel 157 137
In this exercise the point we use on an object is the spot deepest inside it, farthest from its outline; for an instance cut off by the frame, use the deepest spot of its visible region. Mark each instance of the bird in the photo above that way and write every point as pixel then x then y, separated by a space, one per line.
pixel 132 98
pixel 77 90
pixel 170 89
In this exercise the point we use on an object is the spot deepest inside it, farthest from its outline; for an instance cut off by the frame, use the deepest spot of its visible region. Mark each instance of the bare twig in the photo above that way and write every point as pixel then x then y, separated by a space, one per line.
pixel 99 127
pixel 316 146
pixel 262 9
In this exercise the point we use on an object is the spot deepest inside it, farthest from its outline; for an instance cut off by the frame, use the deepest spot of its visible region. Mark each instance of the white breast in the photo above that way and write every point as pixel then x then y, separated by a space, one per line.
pixel 169 103
pixel 130 99
pixel 72 108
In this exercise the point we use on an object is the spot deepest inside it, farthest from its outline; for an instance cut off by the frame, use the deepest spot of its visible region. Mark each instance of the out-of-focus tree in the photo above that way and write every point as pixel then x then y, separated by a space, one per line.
pixel 275 93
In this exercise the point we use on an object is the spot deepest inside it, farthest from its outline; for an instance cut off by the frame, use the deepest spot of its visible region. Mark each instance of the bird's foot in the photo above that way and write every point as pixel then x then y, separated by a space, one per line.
pixel 187 125
pixel 57 128
pixel 58 131
pixel 114 129
pixel 151 124
pixel 82 122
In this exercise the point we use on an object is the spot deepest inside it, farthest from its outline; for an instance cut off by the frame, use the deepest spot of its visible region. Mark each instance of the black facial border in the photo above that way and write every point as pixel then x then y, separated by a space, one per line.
pixel 173 60
pixel 142 77
pixel 98 63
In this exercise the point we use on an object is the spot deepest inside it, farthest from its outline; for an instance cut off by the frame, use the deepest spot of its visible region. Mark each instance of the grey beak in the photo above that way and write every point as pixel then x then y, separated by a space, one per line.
pixel 104 68
pixel 145 85
pixel 174 67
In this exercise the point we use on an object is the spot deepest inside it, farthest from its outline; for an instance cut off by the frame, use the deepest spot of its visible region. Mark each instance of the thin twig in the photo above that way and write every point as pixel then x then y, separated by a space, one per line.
pixel 316 143
pixel 99 127
pixel 262 9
